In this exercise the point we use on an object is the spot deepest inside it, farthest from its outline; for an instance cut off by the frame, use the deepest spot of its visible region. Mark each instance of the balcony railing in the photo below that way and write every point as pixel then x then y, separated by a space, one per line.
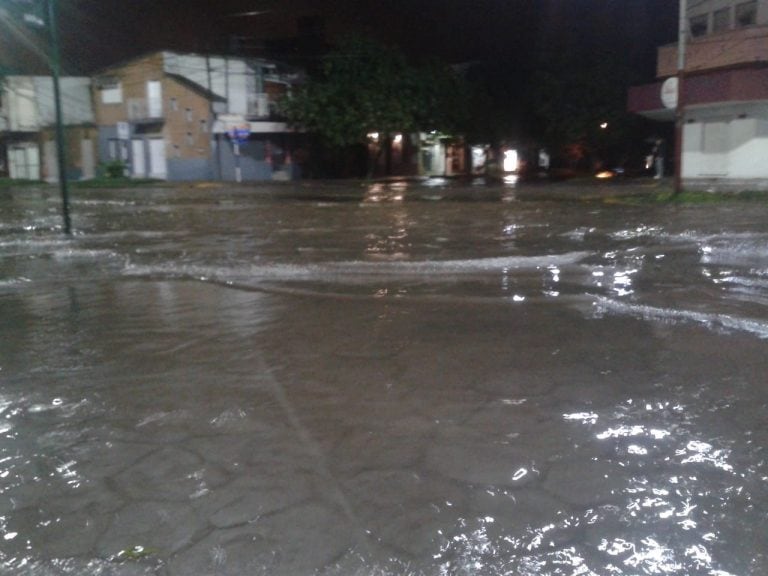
pixel 264 106
pixel 722 50
pixel 143 110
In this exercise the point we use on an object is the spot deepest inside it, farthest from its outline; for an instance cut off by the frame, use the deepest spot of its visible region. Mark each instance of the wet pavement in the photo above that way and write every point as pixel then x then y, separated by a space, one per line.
pixel 332 380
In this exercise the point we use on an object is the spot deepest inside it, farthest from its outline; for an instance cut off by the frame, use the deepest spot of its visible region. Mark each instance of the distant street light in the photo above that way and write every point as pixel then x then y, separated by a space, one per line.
pixel 245 14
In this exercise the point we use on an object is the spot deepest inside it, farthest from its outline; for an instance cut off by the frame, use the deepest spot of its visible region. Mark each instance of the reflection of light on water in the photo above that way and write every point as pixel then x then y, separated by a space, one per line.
pixel 757 327
pixel 584 417
pixel 511 179
pixel 634 430
pixel 651 557
pixel 69 474
pixel 622 282
pixel 522 472
pixel 393 192
pixel 635 233
pixel 701 452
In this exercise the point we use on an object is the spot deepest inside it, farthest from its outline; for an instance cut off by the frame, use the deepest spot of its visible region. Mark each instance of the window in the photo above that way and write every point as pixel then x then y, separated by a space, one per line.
pixel 746 14
pixel 111 93
pixel 203 126
pixel 721 20
pixel 154 98
pixel 699 25
pixel 190 139
pixel 188 114
pixel 174 104
pixel 118 149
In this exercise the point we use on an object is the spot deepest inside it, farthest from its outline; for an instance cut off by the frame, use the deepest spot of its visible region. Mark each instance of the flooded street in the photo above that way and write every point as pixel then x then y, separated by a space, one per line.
pixel 339 380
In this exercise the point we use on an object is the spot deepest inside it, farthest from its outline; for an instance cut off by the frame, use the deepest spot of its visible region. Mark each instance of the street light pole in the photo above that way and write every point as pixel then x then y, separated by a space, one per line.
pixel 680 106
pixel 55 64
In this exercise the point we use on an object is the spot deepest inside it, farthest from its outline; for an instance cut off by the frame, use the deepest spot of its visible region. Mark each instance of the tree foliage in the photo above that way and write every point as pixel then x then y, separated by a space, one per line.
pixel 365 87
pixel 578 99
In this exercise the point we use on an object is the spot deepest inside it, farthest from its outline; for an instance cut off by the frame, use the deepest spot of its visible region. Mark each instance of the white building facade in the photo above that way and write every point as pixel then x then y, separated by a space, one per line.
pixel 724 95
pixel 27 124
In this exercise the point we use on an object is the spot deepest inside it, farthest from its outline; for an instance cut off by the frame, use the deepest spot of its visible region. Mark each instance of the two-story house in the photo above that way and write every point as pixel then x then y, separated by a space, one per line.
pixel 27 128
pixel 184 116
pixel 724 95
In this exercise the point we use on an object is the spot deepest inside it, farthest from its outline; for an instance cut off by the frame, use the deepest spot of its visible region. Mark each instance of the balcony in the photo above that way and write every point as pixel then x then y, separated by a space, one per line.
pixel 143 111
pixel 722 50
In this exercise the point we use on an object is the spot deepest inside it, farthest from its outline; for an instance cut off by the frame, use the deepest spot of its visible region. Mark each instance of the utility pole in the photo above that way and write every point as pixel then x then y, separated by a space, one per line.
pixel 55 64
pixel 680 106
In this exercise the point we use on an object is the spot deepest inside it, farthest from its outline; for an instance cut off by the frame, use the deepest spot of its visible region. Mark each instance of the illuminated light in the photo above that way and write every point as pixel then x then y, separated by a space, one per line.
pixel 373 136
pixel 604 125
pixel 605 174
pixel 510 160
pixel 397 139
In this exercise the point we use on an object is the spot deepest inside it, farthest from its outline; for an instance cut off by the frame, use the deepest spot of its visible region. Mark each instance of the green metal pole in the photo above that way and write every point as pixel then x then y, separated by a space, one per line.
pixel 55 63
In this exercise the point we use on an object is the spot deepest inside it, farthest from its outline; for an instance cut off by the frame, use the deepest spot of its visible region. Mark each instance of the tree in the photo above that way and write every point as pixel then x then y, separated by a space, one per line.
pixel 364 87
pixel 578 95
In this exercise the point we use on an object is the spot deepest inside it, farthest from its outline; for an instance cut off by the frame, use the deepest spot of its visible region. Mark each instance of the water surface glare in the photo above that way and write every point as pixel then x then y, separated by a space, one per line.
pixel 337 380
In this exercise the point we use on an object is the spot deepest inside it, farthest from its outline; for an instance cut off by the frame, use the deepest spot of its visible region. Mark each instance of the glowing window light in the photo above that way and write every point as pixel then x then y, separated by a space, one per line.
pixel 510 160
pixel 397 139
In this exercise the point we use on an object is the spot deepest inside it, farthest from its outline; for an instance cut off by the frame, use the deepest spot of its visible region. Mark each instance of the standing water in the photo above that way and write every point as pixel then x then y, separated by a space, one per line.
pixel 384 380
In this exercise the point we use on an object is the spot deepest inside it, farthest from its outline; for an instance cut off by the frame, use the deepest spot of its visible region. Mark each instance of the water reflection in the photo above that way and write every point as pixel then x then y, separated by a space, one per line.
pixel 386 192
pixel 467 386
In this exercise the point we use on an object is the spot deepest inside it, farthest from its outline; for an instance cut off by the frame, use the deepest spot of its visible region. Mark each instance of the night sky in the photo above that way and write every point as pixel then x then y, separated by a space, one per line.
pixel 96 33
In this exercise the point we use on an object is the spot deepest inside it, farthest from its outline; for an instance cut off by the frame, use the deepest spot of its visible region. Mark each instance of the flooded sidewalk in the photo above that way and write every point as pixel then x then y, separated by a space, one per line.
pixel 395 379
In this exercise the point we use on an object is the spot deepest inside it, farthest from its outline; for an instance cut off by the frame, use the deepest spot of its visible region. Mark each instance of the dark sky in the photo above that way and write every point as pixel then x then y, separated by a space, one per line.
pixel 96 33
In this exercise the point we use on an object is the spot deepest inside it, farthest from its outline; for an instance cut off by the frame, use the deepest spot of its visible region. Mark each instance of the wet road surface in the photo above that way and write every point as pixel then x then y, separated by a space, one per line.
pixel 384 379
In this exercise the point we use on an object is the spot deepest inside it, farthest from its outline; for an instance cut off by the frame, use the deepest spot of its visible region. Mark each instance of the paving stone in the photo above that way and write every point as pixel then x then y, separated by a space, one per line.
pixel 164 527
pixel 169 474
pixel 584 481
pixel 476 459
pixel 403 510
pixel 258 502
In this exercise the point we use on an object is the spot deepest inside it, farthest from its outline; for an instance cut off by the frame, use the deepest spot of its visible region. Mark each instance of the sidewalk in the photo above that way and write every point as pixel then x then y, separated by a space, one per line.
pixel 592 189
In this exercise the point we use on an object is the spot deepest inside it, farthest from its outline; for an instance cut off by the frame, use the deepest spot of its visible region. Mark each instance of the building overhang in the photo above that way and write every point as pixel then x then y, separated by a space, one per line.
pixel 226 123
pixel 717 88
pixel 266 127
pixel 645 100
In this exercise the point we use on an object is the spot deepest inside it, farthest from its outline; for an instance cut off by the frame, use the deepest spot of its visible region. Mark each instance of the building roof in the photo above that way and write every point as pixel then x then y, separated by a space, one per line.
pixel 196 88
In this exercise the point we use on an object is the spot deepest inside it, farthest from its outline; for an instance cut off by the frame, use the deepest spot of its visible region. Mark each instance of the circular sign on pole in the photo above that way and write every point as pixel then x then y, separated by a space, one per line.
pixel 669 91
